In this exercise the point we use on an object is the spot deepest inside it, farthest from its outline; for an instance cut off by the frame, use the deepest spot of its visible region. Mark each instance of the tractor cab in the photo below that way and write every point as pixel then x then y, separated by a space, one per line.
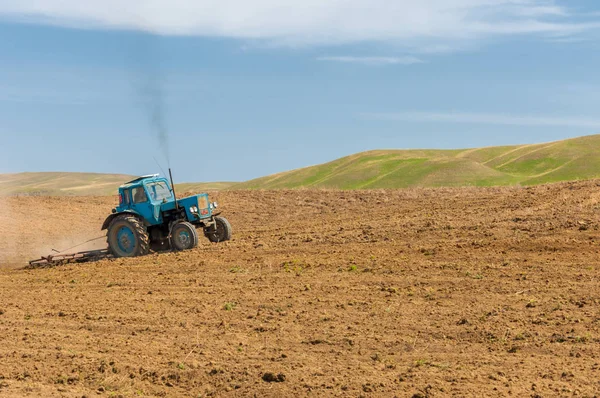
pixel 146 196
pixel 142 189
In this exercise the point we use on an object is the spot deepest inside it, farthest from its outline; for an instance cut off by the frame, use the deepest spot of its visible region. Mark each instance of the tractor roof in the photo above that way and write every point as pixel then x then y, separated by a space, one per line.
pixel 140 179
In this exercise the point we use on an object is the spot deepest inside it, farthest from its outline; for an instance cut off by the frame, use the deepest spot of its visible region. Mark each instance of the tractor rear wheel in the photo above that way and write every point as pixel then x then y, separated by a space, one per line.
pixel 183 236
pixel 127 237
pixel 220 232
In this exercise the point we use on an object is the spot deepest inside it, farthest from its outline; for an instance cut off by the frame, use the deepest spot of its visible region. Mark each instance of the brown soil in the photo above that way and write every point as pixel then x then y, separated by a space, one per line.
pixel 408 293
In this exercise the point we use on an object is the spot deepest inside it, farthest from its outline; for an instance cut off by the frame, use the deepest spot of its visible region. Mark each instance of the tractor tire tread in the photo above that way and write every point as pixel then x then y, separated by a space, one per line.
pixel 227 226
pixel 140 231
pixel 192 231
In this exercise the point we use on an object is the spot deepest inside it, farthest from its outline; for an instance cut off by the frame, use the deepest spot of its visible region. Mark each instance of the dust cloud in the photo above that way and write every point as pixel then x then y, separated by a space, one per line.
pixel 32 226
pixel 7 228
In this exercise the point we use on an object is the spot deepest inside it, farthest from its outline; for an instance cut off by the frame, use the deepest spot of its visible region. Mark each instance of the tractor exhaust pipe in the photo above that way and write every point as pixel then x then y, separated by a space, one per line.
pixel 173 189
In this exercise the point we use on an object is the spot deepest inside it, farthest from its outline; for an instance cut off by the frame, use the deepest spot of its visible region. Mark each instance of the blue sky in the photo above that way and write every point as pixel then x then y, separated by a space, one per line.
pixel 249 88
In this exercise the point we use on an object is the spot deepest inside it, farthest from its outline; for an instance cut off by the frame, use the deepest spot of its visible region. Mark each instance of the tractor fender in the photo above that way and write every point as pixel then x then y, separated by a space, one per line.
pixel 112 216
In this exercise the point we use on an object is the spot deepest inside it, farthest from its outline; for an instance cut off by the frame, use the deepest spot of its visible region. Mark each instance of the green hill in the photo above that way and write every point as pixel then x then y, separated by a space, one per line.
pixel 80 184
pixel 573 159
pixel 202 186
pixel 59 184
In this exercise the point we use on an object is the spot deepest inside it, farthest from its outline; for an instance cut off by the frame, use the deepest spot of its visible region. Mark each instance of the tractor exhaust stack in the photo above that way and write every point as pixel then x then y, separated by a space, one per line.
pixel 173 189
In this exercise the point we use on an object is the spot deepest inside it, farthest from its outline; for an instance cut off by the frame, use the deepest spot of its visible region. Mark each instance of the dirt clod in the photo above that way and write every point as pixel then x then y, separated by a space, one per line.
pixel 272 378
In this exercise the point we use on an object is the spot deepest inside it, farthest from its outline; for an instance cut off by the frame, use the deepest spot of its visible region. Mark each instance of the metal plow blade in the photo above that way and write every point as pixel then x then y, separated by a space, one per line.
pixel 80 257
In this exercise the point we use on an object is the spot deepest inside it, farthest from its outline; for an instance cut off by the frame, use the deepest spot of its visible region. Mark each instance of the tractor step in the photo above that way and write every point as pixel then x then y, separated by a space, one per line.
pixel 80 257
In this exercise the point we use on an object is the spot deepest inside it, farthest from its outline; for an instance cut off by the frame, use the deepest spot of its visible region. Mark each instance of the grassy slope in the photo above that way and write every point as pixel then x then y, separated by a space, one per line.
pixel 75 184
pixel 61 183
pixel 572 159
pixel 202 186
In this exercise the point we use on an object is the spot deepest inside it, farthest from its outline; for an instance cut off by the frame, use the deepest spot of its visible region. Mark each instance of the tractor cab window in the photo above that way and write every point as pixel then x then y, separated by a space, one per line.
pixel 139 195
pixel 159 191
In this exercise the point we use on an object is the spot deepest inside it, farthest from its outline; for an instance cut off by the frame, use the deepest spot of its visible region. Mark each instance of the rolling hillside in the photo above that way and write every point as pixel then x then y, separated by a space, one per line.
pixel 573 159
pixel 202 186
pixel 60 184
pixel 80 184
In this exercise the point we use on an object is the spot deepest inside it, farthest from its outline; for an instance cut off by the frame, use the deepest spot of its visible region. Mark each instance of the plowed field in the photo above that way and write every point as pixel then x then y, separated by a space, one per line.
pixel 408 293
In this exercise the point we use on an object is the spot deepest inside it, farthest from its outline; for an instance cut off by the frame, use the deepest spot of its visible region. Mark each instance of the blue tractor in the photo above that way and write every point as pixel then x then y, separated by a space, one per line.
pixel 150 217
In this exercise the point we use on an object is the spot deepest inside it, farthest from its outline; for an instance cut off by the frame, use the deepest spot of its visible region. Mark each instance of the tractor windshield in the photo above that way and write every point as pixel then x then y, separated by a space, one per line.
pixel 159 191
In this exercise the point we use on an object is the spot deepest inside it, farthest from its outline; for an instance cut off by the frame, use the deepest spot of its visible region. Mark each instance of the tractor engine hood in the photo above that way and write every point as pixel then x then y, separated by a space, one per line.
pixel 197 207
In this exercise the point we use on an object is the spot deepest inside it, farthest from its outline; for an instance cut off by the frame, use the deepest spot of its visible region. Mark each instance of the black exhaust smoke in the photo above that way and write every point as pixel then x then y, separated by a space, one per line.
pixel 149 84
pixel 156 110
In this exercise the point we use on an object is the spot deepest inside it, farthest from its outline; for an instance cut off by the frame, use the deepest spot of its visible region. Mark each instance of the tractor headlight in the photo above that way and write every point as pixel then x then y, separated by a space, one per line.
pixel 193 209
pixel 215 205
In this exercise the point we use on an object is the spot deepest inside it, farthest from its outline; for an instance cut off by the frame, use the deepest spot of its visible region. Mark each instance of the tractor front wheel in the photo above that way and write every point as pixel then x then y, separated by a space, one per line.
pixel 127 237
pixel 220 231
pixel 183 236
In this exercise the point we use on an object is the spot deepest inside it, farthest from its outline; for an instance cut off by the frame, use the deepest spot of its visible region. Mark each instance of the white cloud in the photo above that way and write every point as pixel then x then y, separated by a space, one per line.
pixel 373 61
pixel 486 118
pixel 412 23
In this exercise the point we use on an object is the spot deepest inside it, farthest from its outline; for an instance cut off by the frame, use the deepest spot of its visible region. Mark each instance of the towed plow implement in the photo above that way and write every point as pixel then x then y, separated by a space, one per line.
pixel 79 257
pixel 75 257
